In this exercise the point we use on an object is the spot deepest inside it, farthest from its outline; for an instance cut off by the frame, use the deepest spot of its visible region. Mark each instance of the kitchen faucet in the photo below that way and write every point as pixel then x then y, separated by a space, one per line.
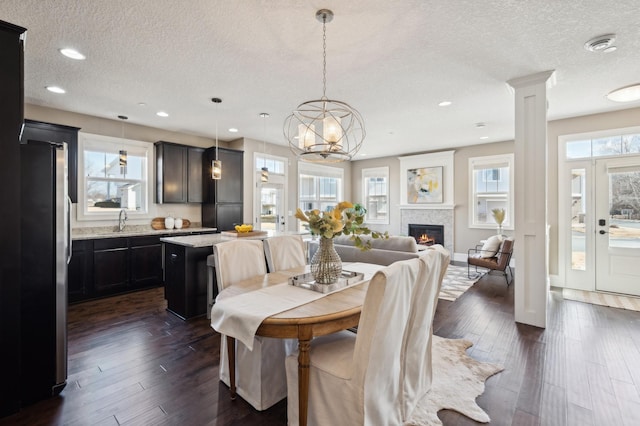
pixel 122 220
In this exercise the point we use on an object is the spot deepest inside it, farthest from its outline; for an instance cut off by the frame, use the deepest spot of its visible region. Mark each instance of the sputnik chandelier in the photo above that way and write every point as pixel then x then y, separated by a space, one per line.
pixel 324 130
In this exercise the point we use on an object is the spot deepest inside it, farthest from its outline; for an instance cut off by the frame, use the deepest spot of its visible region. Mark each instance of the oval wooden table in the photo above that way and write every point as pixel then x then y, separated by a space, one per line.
pixel 330 314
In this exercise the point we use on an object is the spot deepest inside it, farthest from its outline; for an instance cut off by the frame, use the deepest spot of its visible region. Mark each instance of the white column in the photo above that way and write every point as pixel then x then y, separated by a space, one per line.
pixel 530 248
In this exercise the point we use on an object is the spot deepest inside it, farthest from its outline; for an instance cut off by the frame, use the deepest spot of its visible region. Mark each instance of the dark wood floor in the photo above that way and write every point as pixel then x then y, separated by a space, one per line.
pixel 133 363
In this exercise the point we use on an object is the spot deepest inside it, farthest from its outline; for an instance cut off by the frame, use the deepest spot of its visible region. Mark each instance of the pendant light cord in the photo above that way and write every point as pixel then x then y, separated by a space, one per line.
pixel 324 57
pixel 264 140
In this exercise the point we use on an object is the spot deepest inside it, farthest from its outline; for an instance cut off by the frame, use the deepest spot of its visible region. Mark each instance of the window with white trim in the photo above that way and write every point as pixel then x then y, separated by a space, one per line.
pixel 375 194
pixel 491 181
pixel 114 175
pixel 319 187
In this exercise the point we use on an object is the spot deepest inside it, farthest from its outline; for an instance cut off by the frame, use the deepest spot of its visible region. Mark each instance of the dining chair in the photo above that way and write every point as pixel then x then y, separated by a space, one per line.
pixel 379 375
pixel 260 374
pixel 284 252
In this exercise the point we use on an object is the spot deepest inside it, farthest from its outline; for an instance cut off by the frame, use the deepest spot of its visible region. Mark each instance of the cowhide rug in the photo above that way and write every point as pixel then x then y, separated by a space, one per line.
pixel 458 380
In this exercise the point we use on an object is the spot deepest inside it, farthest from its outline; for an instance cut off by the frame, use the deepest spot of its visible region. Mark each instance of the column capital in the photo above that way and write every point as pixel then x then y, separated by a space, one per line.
pixel 532 79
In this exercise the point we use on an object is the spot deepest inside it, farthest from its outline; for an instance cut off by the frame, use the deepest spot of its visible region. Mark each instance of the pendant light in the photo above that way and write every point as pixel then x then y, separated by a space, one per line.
pixel 324 130
pixel 122 154
pixel 216 165
pixel 264 172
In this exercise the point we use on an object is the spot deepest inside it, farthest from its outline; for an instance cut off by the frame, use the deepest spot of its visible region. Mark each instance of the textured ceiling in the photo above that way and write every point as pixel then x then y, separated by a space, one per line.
pixel 393 61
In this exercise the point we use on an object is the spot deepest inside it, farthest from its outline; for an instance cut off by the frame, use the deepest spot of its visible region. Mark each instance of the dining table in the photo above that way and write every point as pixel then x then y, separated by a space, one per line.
pixel 302 319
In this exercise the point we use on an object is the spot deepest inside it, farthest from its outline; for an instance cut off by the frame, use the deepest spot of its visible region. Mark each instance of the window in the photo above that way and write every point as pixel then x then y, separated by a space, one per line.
pixel 607 146
pixel 375 194
pixel 274 165
pixel 319 187
pixel 490 187
pixel 114 175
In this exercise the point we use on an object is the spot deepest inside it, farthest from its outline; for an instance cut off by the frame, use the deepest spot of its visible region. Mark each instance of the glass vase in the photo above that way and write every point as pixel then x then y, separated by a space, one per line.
pixel 326 265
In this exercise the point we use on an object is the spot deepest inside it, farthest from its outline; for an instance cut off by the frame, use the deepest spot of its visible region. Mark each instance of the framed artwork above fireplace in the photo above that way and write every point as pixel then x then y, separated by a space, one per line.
pixel 427 181
pixel 424 185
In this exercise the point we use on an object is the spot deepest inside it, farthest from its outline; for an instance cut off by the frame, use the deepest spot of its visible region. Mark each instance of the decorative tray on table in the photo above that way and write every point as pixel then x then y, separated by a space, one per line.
pixel 306 281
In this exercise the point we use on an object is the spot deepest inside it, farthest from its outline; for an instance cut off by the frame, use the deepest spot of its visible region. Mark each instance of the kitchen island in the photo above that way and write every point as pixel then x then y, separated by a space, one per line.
pixel 186 273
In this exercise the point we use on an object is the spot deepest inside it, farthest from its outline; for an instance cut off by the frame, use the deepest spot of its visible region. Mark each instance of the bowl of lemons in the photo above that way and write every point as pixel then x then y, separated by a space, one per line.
pixel 244 228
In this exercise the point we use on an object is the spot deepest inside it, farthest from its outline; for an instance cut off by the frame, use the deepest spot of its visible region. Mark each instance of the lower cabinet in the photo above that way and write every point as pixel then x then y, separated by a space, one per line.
pixel 186 279
pixel 80 271
pixel 146 262
pixel 109 266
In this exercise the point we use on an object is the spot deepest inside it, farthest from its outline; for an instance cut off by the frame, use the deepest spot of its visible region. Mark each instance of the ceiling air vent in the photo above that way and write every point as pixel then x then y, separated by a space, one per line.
pixel 603 43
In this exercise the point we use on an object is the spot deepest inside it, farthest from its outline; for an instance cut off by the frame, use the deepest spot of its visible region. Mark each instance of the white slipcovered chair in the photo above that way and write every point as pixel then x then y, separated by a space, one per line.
pixel 284 252
pixel 378 376
pixel 260 374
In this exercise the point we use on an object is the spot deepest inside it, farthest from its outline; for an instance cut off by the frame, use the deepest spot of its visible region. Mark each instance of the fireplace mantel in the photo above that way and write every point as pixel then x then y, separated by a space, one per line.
pixel 427 206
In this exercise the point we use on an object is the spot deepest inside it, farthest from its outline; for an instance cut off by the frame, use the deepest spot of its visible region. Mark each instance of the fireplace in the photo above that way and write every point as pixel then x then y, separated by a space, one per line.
pixel 427 235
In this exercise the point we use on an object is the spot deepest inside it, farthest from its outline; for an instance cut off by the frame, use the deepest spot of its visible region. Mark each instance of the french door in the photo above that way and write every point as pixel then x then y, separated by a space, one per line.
pixel 271 207
pixel 603 208
pixel 617 227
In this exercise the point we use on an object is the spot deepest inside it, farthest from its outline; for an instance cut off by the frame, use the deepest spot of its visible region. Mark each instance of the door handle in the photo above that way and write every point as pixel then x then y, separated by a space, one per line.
pixel 603 232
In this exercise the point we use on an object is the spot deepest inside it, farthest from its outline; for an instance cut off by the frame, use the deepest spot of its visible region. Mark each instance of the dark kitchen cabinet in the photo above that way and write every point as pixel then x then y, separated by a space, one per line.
pixel 186 279
pixel 222 205
pixel 107 266
pixel 49 132
pixel 11 117
pixel 110 266
pixel 146 261
pixel 178 173
pixel 80 270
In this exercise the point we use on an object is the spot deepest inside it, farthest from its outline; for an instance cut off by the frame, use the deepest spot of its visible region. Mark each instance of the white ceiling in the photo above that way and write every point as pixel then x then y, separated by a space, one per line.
pixel 394 61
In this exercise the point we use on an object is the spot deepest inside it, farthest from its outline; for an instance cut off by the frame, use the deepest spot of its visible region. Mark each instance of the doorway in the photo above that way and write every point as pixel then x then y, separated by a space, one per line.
pixel 271 207
pixel 270 198
pixel 599 218
pixel 617 237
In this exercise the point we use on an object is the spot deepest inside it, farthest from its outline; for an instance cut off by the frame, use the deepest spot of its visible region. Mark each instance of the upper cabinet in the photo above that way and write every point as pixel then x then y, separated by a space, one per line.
pixel 178 173
pixel 49 132
pixel 229 189
pixel 222 205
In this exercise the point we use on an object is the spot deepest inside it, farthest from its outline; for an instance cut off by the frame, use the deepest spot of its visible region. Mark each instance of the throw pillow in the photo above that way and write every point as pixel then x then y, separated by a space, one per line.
pixel 491 246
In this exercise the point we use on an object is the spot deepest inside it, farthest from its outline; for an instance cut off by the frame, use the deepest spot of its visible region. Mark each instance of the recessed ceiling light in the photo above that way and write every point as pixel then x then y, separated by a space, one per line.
pixel 73 54
pixel 610 49
pixel 625 94
pixel 445 103
pixel 142 104
pixel 55 89
pixel 233 130
pixel 484 137
pixel 162 114
pixel 480 125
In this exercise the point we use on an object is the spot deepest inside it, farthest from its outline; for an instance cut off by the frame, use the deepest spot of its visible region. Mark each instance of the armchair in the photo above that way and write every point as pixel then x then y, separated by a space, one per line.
pixel 492 260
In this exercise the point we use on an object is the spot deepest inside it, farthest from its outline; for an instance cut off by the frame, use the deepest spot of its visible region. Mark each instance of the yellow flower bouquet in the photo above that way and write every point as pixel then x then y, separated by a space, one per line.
pixel 344 219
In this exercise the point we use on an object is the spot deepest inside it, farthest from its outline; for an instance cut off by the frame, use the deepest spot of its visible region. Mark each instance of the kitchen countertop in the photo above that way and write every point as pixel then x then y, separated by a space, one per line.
pixel 211 239
pixel 131 231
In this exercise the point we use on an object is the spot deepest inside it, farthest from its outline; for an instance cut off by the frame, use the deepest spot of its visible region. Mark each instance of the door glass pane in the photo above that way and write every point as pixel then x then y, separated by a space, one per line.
pixel 578 215
pixel 607 146
pixel 624 209
pixel 268 209
pixel 579 149
pixel 631 144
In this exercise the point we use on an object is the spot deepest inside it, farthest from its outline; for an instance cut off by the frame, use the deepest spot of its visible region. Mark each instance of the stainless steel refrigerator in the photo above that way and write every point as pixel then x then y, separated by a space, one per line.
pixel 46 252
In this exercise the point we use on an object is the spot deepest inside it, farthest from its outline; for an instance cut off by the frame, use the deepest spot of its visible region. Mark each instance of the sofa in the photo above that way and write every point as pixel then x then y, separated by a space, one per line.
pixel 382 252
